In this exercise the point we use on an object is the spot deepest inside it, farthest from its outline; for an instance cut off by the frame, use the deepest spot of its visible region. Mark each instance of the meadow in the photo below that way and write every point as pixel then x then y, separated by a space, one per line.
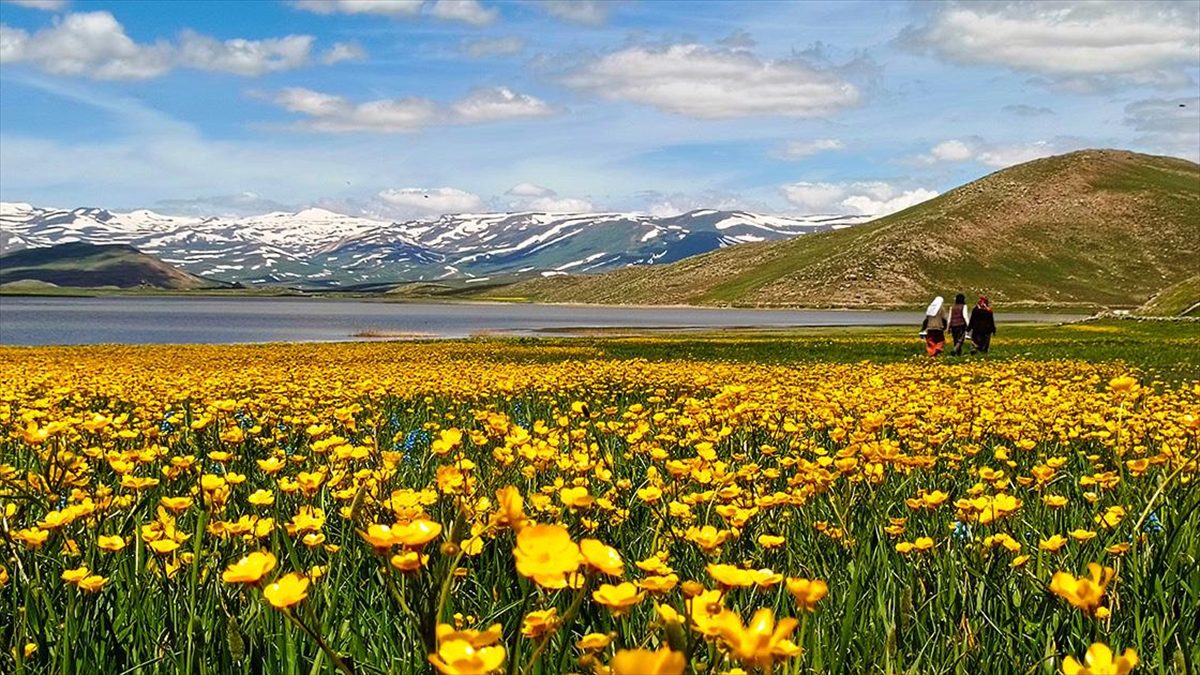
pixel 822 501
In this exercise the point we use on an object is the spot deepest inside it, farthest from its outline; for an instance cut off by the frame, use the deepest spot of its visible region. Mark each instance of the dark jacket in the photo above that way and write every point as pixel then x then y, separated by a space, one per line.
pixel 983 322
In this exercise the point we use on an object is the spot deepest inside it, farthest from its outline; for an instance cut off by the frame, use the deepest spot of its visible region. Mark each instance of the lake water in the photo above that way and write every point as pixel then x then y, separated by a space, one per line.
pixel 149 320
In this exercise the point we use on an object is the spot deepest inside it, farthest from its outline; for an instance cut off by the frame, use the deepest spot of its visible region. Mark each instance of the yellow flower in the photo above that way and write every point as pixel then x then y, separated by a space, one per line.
pixel 730 576
pixel 287 590
pixel 539 623
pixel 1052 543
pixel 706 611
pixel 1099 661
pixel 1085 593
pixel 618 599
pixel 1081 535
pixel 646 662
pixel 807 592
pixel 250 569
pixel 176 504
pixel 1123 385
pixel 510 511
pixel 164 546
pixel 770 541
pixel 602 557
pixel 460 657
pixel 593 642
pixel 446 441
pixel 408 561
pixel 92 583
pixel 546 554
pixel 476 638
pixel 261 498
pixel 659 584
pixel 76 575
pixel 110 543
pixel 576 497
pixel 417 533
pixel 379 536
pixel 1111 517
pixel 762 641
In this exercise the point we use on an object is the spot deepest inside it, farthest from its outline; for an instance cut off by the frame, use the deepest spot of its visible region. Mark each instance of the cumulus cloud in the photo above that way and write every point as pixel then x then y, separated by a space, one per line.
pixel 466 11
pixel 1171 126
pixel 586 12
pixel 529 190
pixel 386 7
pixel 997 155
pixel 431 201
pixel 335 114
pixel 485 47
pixel 343 51
pixel 533 197
pixel 951 151
pixel 44 5
pixel 497 103
pixel 95 45
pixel 698 81
pixel 1080 45
pixel 863 198
pixel 244 57
pixel 802 149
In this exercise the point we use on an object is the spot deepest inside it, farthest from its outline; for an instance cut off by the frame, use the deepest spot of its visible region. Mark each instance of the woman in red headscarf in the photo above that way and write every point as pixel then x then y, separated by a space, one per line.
pixel 982 326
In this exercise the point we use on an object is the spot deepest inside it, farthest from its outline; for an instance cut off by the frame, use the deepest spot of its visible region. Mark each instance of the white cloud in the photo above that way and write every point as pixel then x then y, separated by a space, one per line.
pixel 1078 44
pixel 466 11
pixel 95 45
pixel 335 114
pixel 92 44
pixel 951 151
pixel 997 155
pixel 529 190
pixel 485 47
pixel 384 7
pixel 44 5
pixel 343 51
pixel 586 12
pixel 863 198
pixel 697 81
pixel 560 205
pixel 1171 126
pixel 431 201
pixel 802 149
pixel 497 103
pixel 533 197
pixel 244 57
pixel 1001 156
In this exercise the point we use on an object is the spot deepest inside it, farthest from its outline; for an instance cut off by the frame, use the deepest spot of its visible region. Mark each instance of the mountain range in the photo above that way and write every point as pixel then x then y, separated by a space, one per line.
pixel 317 248
pixel 1088 229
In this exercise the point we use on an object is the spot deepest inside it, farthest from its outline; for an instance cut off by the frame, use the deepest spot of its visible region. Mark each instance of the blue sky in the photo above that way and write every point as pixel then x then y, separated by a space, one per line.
pixel 408 108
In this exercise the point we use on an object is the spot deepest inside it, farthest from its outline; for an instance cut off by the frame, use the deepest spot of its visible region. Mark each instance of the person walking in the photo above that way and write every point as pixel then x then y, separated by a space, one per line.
pixel 933 328
pixel 959 320
pixel 982 326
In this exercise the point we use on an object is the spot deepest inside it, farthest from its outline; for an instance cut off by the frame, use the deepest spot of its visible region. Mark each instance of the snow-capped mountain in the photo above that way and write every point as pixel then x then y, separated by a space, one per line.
pixel 316 247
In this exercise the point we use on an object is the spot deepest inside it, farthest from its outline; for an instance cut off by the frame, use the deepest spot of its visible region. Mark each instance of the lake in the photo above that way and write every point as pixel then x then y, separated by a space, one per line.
pixel 27 320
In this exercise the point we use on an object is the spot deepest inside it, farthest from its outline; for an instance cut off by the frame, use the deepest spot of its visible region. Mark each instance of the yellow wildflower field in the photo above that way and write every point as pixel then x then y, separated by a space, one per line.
pixel 488 507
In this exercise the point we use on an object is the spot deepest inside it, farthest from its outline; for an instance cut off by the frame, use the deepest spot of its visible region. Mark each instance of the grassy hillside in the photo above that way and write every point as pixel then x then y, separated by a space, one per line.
pixel 80 265
pixel 1095 228
pixel 1180 299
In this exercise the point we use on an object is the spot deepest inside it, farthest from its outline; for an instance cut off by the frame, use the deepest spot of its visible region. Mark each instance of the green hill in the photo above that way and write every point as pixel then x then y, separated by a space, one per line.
pixel 1094 228
pixel 80 265
pixel 1180 299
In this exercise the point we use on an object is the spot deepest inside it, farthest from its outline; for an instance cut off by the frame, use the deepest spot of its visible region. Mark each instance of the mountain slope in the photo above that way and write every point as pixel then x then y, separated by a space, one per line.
pixel 1089 228
pixel 88 266
pixel 322 249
